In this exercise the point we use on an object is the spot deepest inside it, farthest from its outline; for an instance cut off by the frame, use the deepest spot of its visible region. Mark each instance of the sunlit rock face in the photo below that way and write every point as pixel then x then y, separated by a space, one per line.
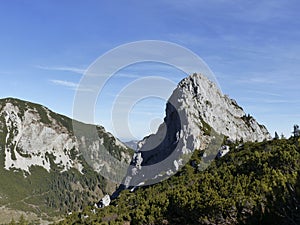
pixel 32 135
pixel 195 109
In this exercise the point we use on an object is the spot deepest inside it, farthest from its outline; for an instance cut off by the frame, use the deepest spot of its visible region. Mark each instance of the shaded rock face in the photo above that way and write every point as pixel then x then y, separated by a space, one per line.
pixel 195 109
pixel 32 135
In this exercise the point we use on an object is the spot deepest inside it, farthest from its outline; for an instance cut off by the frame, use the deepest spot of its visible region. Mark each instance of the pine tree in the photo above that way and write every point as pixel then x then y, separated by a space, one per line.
pixel 276 136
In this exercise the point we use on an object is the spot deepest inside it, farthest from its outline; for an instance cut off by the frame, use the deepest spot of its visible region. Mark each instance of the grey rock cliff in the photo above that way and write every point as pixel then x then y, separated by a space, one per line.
pixel 195 109
pixel 32 135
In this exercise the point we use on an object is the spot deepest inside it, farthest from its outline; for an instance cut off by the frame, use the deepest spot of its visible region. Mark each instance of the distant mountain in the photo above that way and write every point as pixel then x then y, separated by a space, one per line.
pixel 45 168
pixel 132 144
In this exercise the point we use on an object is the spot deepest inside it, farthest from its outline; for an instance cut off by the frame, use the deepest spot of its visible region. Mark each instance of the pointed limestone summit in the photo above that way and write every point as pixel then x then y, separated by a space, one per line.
pixel 195 111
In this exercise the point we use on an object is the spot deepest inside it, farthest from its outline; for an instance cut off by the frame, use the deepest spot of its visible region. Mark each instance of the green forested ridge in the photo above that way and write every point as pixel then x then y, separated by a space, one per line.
pixel 54 193
pixel 50 194
pixel 256 183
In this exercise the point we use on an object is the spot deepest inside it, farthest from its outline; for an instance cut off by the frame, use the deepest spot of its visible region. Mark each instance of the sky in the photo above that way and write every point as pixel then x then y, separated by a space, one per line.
pixel 252 47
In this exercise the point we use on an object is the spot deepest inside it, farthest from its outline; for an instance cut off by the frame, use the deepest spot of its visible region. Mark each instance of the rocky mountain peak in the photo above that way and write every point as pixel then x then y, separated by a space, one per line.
pixel 196 112
pixel 201 98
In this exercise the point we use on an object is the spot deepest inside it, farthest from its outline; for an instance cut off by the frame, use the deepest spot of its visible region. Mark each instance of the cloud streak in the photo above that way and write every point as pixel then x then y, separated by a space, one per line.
pixel 63 68
pixel 266 93
pixel 71 85
pixel 68 84
pixel 256 80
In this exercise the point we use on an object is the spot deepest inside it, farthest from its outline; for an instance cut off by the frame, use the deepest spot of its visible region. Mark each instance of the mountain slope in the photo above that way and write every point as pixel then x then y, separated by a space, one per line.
pixel 44 167
pixel 256 183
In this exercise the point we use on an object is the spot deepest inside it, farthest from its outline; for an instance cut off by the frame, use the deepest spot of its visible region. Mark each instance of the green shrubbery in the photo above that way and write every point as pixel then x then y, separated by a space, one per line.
pixel 257 183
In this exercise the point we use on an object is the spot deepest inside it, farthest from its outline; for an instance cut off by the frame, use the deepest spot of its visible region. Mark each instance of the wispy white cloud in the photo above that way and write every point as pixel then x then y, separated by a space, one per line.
pixel 268 101
pixel 6 73
pixel 127 75
pixel 73 86
pixel 256 80
pixel 187 38
pixel 266 93
pixel 265 11
pixel 289 115
pixel 63 68
pixel 237 9
pixel 278 101
pixel 65 83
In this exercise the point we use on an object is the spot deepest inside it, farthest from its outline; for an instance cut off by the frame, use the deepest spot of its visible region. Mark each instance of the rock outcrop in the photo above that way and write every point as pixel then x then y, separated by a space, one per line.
pixel 195 113
pixel 32 135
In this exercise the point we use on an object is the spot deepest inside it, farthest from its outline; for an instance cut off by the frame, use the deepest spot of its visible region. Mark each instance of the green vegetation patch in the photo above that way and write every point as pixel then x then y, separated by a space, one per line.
pixel 256 183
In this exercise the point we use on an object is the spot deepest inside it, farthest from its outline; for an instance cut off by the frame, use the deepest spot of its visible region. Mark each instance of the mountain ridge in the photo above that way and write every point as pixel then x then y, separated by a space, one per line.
pixel 42 161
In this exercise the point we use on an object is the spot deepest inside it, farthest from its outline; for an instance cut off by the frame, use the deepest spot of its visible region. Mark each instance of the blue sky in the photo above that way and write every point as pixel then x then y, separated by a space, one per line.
pixel 253 48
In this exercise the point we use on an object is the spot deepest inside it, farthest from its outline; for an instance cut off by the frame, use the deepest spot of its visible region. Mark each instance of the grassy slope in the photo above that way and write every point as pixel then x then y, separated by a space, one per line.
pixel 49 194
pixel 258 183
